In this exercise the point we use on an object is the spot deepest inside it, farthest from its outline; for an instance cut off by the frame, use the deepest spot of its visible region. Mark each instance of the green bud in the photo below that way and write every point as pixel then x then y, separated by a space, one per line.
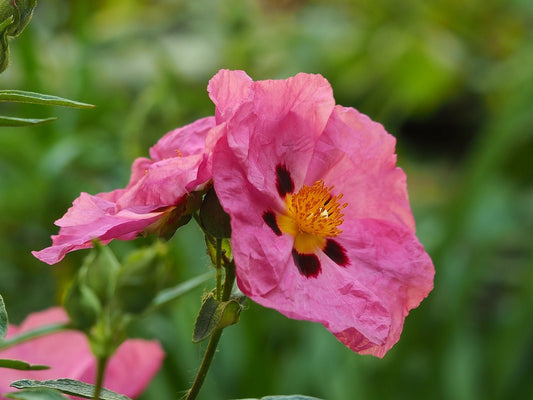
pixel 99 272
pixel 142 276
pixel 82 306
pixel 214 219
pixel 14 16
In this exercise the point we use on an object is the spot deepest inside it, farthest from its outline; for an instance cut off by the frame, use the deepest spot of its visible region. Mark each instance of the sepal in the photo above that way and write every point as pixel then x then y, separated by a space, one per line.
pixel 214 315
pixel 215 221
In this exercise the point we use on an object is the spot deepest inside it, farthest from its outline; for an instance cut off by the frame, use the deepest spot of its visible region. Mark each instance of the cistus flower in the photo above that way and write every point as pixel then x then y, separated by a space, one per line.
pixel 159 193
pixel 321 224
pixel 68 353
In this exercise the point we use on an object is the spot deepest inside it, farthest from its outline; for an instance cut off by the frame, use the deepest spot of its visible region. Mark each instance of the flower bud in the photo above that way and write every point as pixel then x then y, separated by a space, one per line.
pixel 141 277
pixel 14 16
pixel 214 219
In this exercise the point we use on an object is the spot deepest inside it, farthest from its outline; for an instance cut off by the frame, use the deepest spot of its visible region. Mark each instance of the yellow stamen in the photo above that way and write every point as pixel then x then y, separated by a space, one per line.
pixel 312 215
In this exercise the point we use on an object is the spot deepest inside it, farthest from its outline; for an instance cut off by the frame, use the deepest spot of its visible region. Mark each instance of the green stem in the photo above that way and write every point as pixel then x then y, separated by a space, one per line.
pixel 206 363
pixel 215 337
pixel 35 333
pixel 100 373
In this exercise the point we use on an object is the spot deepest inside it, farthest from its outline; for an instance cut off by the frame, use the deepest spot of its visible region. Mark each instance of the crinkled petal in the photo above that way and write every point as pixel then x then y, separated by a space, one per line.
pixel 92 217
pixel 182 142
pixel 388 259
pixel 164 183
pixel 280 125
pixel 228 90
pixel 357 156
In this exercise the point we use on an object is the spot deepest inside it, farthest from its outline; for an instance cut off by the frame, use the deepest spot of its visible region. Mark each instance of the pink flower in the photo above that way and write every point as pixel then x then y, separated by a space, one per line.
pixel 321 224
pixel 129 371
pixel 154 200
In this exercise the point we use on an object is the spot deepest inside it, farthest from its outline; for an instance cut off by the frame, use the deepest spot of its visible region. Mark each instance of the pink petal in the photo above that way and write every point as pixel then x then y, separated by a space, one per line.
pixel 280 124
pixel 131 368
pixel 92 217
pixel 228 90
pixel 185 141
pixel 356 155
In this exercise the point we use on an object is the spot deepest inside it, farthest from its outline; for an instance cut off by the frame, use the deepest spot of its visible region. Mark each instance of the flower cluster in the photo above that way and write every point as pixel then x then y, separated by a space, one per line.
pixel 69 355
pixel 321 227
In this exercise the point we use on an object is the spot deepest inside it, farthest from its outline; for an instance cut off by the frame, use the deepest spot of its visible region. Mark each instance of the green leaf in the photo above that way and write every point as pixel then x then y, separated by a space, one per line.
pixel 70 387
pixel 167 295
pixel 3 319
pixel 215 315
pixel 12 121
pixel 20 365
pixel 34 333
pixel 21 96
pixel 36 394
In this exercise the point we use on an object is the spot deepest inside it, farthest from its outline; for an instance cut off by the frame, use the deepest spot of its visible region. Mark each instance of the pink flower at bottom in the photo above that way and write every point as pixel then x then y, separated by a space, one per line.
pixel 129 371
pixel 153 201
pixel 321 224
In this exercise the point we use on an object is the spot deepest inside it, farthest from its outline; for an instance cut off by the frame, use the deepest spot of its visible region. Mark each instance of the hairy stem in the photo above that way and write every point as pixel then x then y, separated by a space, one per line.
pixel 100 373
pixel 215 336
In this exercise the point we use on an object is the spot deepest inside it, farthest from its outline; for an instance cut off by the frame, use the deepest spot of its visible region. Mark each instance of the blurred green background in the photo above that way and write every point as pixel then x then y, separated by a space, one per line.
pixel 452 80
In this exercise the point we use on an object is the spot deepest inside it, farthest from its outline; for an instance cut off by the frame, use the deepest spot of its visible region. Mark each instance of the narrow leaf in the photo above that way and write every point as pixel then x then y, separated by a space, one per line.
pixel 36 394
pixel 70 387
pixel 173 293
pixel 21 96
pixel 28 335
pixel 293 397
pixel 3 319
pixel 20 365
pixel 12 121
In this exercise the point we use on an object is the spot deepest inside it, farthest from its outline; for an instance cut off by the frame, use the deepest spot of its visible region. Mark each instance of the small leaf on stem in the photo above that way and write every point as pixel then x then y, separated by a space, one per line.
pixel 215 315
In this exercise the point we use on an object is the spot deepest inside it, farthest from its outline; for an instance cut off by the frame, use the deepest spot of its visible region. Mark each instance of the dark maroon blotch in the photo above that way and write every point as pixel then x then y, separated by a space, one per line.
pixel 284 182
pixel 270 220
pixel 308 264
pixel 336 252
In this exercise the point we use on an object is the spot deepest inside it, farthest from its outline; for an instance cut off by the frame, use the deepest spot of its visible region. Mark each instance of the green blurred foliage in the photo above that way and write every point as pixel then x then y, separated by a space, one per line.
pixel 452 80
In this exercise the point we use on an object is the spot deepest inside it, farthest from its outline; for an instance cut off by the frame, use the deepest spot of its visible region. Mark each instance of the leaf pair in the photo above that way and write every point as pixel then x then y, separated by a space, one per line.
pixel 12 364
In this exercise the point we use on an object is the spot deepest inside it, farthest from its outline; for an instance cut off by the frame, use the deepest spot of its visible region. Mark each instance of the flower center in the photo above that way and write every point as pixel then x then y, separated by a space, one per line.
pixel 312 215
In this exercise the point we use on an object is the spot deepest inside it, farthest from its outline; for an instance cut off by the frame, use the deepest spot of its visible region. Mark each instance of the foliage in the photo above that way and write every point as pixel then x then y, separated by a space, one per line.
pixel 449 79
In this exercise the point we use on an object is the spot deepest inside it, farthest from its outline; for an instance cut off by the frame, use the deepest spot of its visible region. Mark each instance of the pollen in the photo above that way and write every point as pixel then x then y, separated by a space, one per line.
pixel 312 215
